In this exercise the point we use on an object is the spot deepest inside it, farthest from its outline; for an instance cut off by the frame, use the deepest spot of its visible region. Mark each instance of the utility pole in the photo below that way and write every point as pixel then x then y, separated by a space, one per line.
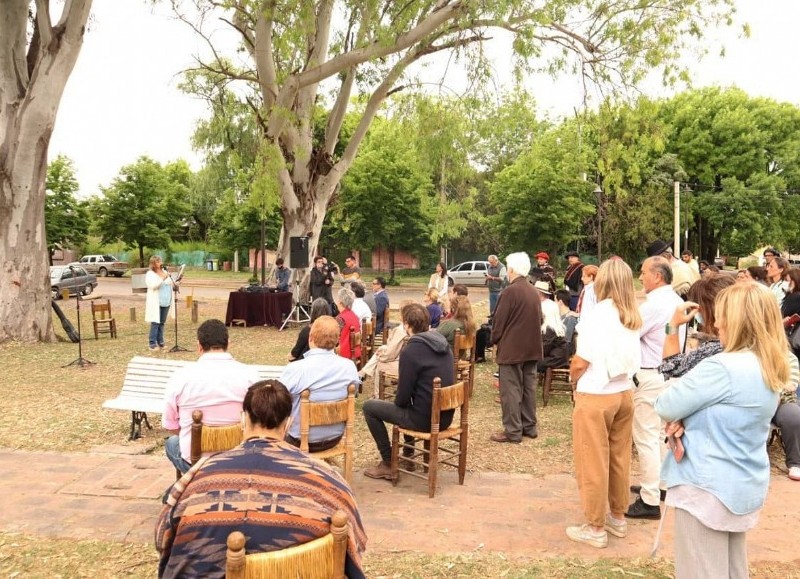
pixel 676 229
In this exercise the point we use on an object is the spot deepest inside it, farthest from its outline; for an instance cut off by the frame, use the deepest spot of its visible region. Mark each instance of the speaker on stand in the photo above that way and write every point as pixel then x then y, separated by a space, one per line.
pixel 298 259
pixel 298 252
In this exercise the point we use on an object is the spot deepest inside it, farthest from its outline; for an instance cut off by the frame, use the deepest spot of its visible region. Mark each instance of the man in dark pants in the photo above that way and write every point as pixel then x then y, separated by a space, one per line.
pixel 572 278
pixel 515 332
pixel 425 357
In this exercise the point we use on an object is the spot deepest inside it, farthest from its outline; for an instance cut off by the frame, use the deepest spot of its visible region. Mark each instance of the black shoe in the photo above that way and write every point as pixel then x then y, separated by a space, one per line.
pixel 637 489
pixel 533 434
pixel 641 510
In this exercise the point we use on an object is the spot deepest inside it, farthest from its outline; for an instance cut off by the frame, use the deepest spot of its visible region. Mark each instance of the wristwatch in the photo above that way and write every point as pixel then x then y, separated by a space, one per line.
pixel 671 330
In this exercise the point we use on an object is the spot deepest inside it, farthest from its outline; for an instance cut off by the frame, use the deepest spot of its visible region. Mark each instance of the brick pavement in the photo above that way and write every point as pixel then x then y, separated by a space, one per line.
pixel 108 494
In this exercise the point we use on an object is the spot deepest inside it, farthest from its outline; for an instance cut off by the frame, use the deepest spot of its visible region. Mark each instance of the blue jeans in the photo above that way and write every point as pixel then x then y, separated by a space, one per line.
pixel 157 330
pixel 493 296
pixel 173 448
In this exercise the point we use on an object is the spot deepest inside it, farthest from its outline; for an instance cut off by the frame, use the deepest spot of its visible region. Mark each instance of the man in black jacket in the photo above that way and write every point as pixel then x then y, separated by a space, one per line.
pixel 426 356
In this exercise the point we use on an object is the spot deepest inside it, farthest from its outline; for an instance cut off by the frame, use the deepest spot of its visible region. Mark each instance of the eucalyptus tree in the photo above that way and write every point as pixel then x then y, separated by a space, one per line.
pixel 37 55
pixel 294 55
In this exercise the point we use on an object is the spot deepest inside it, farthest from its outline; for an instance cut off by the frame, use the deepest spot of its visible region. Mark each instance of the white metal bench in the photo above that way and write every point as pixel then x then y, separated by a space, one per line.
pixel 145 384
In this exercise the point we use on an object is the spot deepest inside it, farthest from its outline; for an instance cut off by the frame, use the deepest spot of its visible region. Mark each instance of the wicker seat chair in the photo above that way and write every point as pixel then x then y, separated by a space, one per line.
pixel 438 447
pixel 322 558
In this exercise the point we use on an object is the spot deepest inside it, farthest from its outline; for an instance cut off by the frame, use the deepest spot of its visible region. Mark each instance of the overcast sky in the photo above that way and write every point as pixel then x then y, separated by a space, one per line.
pixel 122 99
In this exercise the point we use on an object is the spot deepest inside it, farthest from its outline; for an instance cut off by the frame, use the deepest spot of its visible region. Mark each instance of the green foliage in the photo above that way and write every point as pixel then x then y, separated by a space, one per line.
pixel 66 218
pixel 541 199
pixel 145 206
pixel 385 198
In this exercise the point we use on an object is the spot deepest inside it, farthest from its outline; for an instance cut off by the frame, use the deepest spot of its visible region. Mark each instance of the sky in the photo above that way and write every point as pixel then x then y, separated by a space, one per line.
pixel 122 99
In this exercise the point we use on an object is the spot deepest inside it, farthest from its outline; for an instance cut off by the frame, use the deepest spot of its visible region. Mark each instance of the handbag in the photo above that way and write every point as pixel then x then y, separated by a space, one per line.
pixel 794 337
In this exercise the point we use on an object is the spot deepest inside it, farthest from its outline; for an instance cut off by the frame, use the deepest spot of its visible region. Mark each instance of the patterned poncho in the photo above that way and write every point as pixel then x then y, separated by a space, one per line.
pixel 267 489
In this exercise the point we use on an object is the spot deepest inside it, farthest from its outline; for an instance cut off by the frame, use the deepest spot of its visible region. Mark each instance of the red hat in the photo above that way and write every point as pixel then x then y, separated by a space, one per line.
pixel 543 255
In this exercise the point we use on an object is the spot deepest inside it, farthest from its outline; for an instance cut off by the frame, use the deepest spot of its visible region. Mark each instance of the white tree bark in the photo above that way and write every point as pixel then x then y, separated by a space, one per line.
pixel 33 74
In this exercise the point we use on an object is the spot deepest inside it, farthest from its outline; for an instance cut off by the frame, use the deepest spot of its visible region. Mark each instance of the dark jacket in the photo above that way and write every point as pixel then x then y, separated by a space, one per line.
pixel 381 303
pixel 301 345
pixel 317 285
pixel 516 324
pixel 572 278
pixel 426 356
pixel 554 350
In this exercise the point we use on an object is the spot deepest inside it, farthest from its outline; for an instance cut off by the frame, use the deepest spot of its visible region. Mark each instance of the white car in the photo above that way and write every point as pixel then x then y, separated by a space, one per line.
pixel 469 273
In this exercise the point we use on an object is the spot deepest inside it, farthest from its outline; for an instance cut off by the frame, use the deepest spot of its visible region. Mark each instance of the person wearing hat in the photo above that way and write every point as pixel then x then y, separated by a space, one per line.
pixel 572 278
pixel 548 271
pixel 682 277
pixel 496 279
pixel 519 349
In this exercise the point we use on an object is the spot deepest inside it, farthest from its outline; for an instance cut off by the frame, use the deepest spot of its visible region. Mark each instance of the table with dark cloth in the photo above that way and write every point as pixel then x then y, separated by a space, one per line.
pixel 259 309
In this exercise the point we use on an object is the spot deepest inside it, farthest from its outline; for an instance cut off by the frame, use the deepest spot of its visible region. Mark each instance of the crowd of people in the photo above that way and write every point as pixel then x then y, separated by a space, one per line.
pixel 698 406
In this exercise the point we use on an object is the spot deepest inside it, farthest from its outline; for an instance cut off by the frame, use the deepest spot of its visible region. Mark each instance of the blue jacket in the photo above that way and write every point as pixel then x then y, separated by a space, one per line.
pixel 726 409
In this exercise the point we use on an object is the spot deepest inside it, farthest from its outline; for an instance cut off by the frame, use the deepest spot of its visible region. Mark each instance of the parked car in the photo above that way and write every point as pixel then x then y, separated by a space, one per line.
pixel 469 273
pixel 76 280
pixel 102 265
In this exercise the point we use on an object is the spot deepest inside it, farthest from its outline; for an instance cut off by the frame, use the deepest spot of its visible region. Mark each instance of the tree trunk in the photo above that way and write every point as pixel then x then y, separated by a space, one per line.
pixel 33 74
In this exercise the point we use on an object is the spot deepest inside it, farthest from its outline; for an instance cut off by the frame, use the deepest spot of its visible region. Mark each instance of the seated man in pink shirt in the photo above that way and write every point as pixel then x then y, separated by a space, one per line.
pixel 215 384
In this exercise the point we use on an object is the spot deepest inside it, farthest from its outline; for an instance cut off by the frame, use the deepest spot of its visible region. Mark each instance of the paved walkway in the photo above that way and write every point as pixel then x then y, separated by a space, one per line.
pixel 108 493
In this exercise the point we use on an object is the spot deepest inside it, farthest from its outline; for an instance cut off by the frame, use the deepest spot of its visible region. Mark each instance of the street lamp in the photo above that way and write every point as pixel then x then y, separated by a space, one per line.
pixel 598 191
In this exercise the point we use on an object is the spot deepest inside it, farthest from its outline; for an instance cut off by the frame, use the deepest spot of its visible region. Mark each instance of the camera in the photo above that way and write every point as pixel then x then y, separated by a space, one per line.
pixel 332 268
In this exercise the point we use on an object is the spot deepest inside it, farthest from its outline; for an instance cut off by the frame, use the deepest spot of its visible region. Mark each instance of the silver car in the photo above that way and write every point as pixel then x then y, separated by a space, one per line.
pixel 74 278
pixel 469 273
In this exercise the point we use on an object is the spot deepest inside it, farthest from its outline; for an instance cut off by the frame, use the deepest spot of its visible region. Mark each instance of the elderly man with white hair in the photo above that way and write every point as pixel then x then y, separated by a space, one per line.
pixel 519 348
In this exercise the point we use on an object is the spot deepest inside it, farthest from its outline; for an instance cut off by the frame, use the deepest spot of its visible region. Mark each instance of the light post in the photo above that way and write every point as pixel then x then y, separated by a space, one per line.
pixel 598 191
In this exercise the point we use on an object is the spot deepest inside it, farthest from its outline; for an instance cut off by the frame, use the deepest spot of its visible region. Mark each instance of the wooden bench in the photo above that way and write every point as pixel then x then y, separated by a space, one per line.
pixel 145 384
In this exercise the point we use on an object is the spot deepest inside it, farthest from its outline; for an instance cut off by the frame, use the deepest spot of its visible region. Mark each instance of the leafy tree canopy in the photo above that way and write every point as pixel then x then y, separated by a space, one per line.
pixel 66 218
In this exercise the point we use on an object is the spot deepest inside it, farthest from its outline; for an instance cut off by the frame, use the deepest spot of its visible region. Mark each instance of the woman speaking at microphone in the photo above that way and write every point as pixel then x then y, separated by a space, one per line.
pixel 159 299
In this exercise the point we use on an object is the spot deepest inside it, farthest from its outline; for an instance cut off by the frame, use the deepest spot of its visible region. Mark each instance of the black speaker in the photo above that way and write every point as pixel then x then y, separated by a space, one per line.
pixel 298 252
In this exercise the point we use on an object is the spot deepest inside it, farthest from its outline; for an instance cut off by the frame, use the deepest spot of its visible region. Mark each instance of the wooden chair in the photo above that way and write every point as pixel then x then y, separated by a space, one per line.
pixel 322 558
pixel 206 438
pixel 367 341
pixel 556 381
pixel 102 320
pixel 435 442
pixel 387 385
pixel 383 337
pixel 355 344
pixel 464 359
pixel 323 414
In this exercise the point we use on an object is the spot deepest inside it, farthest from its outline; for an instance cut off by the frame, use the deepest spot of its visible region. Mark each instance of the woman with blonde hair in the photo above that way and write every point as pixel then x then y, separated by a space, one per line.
pixel 460 319
pixel 431 301
pixel 607 356
pixel 440 282
pixel 718 421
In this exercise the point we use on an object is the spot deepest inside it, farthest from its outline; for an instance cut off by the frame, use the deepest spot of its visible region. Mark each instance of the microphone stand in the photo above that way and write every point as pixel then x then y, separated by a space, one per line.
pixel 80 360
pixel 176 347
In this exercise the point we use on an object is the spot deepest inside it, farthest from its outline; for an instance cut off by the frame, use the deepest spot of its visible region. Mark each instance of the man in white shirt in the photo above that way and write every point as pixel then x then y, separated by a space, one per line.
pixel 656 311
pixel 215 384
pixel 360 307
pixel 682 277
pixel 326 376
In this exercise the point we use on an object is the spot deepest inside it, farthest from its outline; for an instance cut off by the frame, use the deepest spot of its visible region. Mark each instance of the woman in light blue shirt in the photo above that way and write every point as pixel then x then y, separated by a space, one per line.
pixel 720 412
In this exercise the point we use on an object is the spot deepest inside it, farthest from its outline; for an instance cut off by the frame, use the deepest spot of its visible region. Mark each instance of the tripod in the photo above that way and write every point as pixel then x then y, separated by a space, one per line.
pixel 80 360
pixel 176 347
pixel 299 313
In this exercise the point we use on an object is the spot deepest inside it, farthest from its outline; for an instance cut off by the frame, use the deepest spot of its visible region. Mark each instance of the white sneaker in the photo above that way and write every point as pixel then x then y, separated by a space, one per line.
pixel 794 473
pixel 615 527
pixel 585 534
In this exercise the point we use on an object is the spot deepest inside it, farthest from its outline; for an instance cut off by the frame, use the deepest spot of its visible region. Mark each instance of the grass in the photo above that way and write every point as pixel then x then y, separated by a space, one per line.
pixel 34 557
pixel 34 378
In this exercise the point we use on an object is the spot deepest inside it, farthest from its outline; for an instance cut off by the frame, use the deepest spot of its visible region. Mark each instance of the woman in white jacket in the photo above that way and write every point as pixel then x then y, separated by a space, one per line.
pixel 159 299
